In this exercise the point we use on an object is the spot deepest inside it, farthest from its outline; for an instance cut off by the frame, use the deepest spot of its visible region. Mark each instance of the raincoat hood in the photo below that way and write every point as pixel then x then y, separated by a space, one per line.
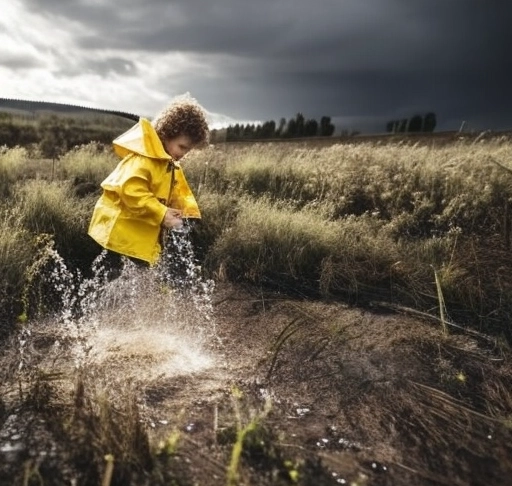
pixel 141 139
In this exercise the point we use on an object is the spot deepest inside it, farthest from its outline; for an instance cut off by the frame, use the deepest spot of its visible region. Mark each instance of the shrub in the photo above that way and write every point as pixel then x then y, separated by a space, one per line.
pixel 301 250
pixel 52 208
pixel 17 247
pixel 89 163
pixel 12 168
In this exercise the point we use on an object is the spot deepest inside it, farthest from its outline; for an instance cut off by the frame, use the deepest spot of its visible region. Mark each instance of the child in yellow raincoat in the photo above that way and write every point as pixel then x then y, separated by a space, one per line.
pixel 147 191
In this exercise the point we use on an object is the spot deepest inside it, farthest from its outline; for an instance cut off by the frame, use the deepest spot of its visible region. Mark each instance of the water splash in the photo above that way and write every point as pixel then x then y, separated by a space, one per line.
pixel 145 322
pixel 179 270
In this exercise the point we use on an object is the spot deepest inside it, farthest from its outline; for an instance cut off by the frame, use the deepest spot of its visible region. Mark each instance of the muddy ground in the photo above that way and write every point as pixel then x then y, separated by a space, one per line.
pixel 327 394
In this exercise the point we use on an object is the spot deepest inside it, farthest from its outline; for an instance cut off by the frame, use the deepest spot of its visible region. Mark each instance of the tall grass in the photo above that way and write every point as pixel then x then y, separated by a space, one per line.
pixel 12 168
pixel 87 163
pixel 365 222
pixel 17 247
pixel 303 250
pixel 420 189
pixel 365 219
pixel 52 208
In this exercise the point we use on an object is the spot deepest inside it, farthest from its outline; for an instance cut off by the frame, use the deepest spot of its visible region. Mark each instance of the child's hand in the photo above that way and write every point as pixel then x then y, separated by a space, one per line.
pixel 172 219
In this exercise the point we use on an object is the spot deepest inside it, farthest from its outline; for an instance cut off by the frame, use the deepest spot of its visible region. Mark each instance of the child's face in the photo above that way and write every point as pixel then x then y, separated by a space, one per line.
pixel 178 146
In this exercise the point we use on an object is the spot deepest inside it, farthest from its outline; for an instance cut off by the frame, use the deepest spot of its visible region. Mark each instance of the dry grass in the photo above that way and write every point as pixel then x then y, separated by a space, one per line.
pixel 87 164
pixel 363 223
pixel 358 221
pixel 15 258
pixel 365 219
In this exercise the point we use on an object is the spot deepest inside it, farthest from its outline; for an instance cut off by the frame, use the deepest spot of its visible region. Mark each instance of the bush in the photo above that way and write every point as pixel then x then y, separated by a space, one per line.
pixel 89 163
pixel 17 247
pixel 12 168
pixel 301 250
pixel 51 208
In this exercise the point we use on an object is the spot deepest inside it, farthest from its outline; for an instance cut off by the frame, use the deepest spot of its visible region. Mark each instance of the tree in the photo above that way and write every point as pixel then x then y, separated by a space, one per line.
pixel 291 128
pixel 430 122
pixel 402 125
pixel 237 131
pixel 299 120
pixel 282 125
pixel 415 124
pixel 326 127
pixel 311 128
pixel 249 131
pixel 232 133
pixel 268 129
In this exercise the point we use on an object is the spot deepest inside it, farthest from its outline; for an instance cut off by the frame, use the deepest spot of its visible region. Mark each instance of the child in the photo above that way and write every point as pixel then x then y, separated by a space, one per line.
pixel 147 191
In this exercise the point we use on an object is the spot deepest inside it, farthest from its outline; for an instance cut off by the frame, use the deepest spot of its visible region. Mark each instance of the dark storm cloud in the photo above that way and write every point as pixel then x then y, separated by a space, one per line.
pixel 101 67
pixel 19 62
pixel 343 58
pixel 113 65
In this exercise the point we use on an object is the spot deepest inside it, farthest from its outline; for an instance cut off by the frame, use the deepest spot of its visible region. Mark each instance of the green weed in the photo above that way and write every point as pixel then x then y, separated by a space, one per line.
pixel 242 433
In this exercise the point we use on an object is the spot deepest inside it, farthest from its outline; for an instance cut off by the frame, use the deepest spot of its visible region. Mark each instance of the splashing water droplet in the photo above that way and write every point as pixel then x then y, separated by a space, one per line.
pixel 144 322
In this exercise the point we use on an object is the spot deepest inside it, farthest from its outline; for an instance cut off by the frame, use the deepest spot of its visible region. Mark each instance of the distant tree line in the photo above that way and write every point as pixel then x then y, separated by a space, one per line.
pixel 296 127
pixel 416 124
pixel 54 135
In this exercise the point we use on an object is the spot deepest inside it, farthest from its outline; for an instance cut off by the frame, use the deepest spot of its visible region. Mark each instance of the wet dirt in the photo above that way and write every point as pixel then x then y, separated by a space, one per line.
pixel 358 397
pixel 332 395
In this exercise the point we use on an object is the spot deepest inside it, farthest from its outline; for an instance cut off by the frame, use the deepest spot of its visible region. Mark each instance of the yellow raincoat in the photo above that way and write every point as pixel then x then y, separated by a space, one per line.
pixel 127 217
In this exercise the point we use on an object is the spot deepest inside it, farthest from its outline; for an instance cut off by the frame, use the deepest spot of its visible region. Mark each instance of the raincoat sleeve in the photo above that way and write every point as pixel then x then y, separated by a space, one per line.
pixel 131 181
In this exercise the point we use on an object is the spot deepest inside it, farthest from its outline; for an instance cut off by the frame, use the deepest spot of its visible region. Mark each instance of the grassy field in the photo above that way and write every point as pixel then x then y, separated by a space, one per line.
pixel 398 224
pixel 364 223
pixel 327 248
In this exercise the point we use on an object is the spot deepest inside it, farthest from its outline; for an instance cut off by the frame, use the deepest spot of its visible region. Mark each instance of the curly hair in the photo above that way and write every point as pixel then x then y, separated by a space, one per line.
pixel 183 116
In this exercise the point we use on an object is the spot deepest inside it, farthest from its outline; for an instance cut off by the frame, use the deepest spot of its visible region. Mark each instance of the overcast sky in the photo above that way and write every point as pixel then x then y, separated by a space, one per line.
pixel 362 62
